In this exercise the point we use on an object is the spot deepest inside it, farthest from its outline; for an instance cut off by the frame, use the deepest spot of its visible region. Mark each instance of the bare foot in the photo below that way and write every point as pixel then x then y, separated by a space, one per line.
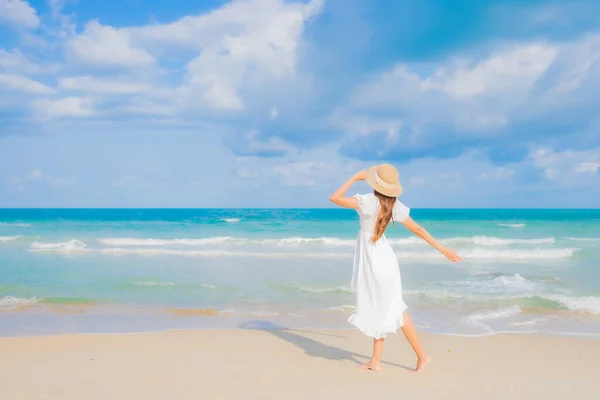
pixel 422 362
pixel 371 366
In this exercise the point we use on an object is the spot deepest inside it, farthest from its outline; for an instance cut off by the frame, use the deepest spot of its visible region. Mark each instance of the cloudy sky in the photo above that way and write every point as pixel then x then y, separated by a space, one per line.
pixel 274 103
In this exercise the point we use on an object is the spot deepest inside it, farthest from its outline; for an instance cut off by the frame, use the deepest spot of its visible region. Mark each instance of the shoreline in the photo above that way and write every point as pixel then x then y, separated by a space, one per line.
pixel 293 364
pixel 62 319
pixel 574 335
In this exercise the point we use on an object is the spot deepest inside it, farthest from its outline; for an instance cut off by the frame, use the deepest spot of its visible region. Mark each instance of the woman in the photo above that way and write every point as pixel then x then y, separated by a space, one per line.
pixel 376 276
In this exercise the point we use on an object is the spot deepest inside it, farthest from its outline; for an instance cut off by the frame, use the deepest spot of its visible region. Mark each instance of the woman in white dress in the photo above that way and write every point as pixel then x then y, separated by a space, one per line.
pixel 380 308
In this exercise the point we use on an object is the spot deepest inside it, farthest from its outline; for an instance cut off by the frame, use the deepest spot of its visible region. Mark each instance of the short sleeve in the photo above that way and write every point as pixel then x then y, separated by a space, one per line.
pixel 401 212
pixel 366 204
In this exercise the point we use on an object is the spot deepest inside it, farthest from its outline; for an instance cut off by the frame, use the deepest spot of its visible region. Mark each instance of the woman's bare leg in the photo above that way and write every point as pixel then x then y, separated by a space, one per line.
pixel 410 332
pixel 375 363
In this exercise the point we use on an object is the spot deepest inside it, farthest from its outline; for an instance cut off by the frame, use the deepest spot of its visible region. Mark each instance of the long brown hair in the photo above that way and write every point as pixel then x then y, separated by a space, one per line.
pixel 385 214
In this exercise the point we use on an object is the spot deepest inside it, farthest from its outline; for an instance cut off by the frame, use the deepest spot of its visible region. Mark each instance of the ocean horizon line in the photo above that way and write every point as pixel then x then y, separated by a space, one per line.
pixel 333 208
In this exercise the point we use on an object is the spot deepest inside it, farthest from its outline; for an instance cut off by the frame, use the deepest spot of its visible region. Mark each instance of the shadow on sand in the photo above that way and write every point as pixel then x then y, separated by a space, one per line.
pixel 311 347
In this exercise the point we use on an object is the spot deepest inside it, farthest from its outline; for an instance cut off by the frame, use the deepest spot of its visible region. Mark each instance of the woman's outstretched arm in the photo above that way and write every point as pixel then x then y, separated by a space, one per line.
pixel 338 197
pixel 421 232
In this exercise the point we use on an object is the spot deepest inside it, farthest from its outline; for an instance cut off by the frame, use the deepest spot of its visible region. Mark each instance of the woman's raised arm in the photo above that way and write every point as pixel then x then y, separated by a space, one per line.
pixel 338 197
pixel 421 232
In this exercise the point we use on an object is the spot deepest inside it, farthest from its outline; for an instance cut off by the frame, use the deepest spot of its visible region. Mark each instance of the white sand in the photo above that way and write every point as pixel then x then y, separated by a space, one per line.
pixel 238 364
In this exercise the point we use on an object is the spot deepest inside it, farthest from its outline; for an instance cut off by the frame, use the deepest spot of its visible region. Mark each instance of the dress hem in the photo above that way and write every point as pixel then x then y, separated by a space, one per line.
pixel 375 332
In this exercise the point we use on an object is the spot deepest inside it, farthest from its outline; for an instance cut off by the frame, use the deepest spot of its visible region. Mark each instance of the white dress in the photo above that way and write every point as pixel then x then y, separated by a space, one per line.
pixel 376 274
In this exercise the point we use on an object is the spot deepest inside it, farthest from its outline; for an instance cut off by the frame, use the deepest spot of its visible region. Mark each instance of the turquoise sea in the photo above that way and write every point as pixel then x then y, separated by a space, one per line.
pixel 135 270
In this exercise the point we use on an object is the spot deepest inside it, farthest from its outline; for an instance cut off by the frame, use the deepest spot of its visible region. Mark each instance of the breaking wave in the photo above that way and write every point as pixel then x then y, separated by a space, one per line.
pixel 4 239
pixel 11 302
pixel 322 241
pixel 19 224
pixel 72 246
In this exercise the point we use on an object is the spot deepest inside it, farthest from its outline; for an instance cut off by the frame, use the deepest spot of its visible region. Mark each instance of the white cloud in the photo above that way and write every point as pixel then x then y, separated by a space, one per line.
pixel 585 167
pixel 60 181
pixel 511 71
pixel 22 83
pixel 498 174
pixel 244 42
pixel 252 143
pixel 579 63
pixel 229 54
pixel 300 173
pixel 79 107
pixel 147 106
pixel 35 175
pixel 17 62
pixel 66 24
pixel 456 104
pixel 274 113
pixel 290 174
pixel 471 95
pixel 106 46
pixel 100 85
pixel 364 124
pixel 127 180
pixel 437 180
pixel 18 12
pixel 570 167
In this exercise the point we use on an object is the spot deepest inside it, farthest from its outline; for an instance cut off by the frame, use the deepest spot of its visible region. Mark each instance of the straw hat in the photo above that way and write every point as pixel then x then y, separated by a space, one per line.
pixel 385 179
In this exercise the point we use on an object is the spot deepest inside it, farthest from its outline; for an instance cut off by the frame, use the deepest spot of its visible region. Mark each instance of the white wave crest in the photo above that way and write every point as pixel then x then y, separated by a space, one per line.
pixel 291 241
pixel 166 242
pixel 476 240
pixel 19 224
pixel 4 239
pixel 493 255
pixel 583 239
pixel 343 309
pixel 76 246
pixel 479 318
pixel 530 322
pixel 587 304
pixel 231 220
pixel 305 241
pixel 494 314
pixel 214 253
pixel 496 241
pixel 263 313
pixel 530 254
pixel 309 241
pixel 153 283
pixel 338 289
pixel 513 225
pixel 503 287
pixel 11 302
pixel 515 281
pixel 224 240
pixel 72 246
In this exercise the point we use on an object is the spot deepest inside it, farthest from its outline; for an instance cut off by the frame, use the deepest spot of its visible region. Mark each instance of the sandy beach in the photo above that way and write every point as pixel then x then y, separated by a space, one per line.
pixel 294 364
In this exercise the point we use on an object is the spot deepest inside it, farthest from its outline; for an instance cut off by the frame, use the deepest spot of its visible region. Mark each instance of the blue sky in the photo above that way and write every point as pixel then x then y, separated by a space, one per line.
pixel 274 103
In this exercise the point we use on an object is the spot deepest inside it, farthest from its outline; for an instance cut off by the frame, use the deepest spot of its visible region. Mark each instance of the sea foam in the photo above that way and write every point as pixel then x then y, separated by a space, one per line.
pixel 11 302
pixel 513 225
pixel 4 239
pixel 583 239
pixel 19 224
pixel 589 304
pixel 72 246
pixel 155 247
pixel 496 255
pixel 319 241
